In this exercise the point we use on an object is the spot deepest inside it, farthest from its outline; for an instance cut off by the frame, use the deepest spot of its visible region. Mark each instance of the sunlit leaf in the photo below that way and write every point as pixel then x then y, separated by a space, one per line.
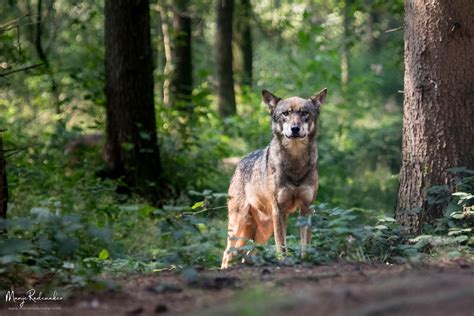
pixel 197 205
pixel 104 254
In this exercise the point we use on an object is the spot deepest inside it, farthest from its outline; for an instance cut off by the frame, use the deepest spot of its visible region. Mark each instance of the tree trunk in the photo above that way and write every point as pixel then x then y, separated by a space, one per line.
pixel 168 56
pixel 38 41
pixel 160 59
pixel 131 145
pixel 243 41
pixel 346 39
pixel 372 42
pixel 225 79
pixel 182 73
pixel 438 129
pixel 3 183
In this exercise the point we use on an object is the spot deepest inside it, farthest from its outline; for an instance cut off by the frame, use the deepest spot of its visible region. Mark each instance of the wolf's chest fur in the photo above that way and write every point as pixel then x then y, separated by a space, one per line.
pixel 283 175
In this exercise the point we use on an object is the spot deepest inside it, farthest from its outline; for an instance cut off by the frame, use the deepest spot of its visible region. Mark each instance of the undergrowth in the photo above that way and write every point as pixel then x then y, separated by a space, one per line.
pixel 75 239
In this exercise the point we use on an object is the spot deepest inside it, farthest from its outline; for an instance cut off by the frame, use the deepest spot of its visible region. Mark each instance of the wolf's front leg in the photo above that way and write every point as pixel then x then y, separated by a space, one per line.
pixel 305 230
pixel 279 228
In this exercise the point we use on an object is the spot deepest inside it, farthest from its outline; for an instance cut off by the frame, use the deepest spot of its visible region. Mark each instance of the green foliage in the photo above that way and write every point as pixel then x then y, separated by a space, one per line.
pixel 454 232
pixel 66 224
pixel 342 235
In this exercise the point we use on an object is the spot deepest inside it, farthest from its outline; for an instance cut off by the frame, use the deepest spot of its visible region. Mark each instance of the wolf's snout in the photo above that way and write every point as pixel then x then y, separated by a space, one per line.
pixel 295 129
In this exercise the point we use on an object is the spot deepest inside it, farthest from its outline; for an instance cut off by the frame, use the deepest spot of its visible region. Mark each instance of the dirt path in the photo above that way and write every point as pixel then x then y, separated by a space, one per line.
pixel 335 289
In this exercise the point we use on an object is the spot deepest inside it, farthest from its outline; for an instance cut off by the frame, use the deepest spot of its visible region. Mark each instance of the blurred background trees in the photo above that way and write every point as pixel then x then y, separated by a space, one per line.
pixel 210 60
pixel 171 91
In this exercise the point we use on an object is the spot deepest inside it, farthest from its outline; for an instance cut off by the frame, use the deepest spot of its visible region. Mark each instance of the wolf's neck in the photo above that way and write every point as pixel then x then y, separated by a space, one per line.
pixel 295 155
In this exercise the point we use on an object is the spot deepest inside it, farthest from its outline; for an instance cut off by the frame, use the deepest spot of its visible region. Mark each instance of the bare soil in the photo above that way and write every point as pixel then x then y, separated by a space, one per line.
pixel 443 288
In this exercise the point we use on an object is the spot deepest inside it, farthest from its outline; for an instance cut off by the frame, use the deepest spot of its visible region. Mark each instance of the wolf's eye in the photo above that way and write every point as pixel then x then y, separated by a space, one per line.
pixel 304 113
pixel 286 113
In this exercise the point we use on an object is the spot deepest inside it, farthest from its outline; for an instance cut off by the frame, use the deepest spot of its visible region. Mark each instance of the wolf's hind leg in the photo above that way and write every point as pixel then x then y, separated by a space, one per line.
pixel 264 229
pixel 241 228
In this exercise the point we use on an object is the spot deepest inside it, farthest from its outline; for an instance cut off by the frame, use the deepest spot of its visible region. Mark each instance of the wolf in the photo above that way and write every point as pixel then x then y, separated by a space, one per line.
pixel 271 183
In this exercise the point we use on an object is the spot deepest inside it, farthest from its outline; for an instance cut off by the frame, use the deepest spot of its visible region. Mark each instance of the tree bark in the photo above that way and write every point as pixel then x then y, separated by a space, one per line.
pixel 225 79
pixel 438 129
pixel 182 72
pixel 131 145
pixel 243 41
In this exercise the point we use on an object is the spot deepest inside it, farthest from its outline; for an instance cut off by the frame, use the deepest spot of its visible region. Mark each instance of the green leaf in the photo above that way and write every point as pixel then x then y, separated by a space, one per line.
pixel 457 215
pixel 104 254
pixel 197 205
pixel 463 195
pixel 421 237
pixel 461 238
pixel 386 219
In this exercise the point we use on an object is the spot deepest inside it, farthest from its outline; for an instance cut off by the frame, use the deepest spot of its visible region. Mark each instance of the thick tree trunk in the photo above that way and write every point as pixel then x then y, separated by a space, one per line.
pixel 182 73
pixel 438 129
pixel 243 41
pixel 131 146
pixel 225 79
pixel 3 183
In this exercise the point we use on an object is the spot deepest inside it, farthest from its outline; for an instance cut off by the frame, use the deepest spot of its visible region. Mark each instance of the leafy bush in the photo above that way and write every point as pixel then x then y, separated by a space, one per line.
pixel 454 232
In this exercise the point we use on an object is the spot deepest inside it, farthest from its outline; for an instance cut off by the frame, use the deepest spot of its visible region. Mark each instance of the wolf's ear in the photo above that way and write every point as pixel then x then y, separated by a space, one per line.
pixel 270 100
pixel 319 98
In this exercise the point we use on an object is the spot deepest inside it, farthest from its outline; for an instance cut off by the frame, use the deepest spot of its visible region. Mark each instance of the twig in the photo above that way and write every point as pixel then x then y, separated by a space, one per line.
pixel 13 23
pixel 395 29
pixel 15 26
pixel 204 210
pixel 13 151
pixel 20 69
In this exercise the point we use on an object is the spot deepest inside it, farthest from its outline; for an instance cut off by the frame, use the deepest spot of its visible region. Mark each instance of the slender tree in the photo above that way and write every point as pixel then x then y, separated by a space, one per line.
pixel 225 78
pixel 438 129
pixel 131 145
pixel 243 42
pixel 176 25
pixel 346 39
pixel 182 73
pixel 38 42
pixel 168 59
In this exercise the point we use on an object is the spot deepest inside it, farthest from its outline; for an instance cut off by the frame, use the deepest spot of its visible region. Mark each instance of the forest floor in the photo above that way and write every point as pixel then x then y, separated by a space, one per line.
pixel 443 288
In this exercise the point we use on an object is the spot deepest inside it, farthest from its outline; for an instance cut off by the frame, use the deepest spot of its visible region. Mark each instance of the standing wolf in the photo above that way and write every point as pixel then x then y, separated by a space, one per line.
pixel 271 183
